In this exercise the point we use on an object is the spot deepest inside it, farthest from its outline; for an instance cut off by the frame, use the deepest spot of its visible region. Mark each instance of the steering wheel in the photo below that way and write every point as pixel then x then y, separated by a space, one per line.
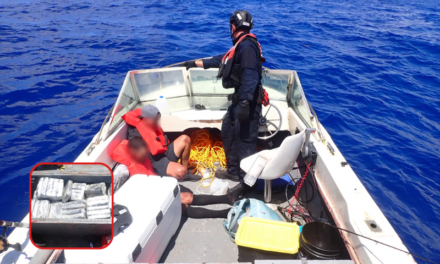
pixel 271 127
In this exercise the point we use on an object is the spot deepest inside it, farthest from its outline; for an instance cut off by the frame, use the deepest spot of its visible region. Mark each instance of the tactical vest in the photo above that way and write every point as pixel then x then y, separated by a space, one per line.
pixel 230 71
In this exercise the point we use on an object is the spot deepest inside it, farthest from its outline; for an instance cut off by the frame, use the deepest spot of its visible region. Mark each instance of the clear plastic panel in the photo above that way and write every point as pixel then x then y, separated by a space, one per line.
pixel 298 101
pixel 153 84
pixel 276 84
pixel 126 101
pixel 206 82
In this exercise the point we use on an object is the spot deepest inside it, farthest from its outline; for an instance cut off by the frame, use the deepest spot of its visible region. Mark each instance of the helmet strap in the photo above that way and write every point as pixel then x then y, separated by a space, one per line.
pixel 234 40
pixel 232 32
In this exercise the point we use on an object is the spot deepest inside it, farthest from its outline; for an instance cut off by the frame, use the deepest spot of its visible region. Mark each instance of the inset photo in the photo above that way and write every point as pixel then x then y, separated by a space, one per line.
pixel 71 205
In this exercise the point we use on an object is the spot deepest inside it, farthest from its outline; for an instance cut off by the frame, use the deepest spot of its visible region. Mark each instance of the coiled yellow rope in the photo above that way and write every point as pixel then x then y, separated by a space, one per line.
pixel 206 151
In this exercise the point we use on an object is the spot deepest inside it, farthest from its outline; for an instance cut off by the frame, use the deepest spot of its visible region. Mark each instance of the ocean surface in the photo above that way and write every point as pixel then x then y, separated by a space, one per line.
pixel 371 69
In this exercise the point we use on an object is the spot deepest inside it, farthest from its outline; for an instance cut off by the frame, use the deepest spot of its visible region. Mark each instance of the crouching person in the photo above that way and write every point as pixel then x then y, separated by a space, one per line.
pixel 134 155
pixel 164 156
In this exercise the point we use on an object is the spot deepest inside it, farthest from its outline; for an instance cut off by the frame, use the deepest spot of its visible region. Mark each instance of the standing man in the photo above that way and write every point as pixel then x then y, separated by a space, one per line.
pixel 240 68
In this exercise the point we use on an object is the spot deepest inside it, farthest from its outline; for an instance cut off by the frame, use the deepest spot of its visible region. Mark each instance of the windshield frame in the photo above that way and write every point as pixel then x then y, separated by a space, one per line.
pixel 110 128
pixel 308 123
pixel 293 76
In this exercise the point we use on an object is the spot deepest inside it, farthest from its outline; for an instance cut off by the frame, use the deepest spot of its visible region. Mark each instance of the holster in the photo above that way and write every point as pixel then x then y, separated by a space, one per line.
pixel 263 96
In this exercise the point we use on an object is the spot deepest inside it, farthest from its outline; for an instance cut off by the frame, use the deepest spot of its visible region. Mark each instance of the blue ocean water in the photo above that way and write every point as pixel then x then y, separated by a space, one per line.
pixel 370 69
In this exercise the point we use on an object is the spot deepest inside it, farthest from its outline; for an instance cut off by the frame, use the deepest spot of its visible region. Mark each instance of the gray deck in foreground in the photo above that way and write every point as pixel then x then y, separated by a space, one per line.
pixel 204 240
pixel 201 240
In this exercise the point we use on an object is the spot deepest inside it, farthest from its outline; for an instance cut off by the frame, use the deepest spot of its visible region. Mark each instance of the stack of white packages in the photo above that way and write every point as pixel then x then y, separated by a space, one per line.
pixel 98 207
pixel 74 209
pixel 47 189
pixel 40 208
pixel 53 200
pixel 50 188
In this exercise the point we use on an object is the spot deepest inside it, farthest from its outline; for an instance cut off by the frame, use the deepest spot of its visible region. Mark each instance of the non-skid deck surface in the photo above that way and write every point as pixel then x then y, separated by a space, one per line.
pixel 205 240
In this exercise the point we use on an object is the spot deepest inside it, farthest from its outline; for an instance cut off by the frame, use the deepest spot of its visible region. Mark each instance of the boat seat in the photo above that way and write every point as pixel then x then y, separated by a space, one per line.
pixel 279 161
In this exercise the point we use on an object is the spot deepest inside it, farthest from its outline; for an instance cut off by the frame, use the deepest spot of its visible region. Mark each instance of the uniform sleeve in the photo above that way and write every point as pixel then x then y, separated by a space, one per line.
pixel 213 62
pixel 249 64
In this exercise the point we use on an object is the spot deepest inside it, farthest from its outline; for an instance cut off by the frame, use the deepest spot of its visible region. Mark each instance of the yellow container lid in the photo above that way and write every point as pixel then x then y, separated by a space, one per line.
pixel 268 235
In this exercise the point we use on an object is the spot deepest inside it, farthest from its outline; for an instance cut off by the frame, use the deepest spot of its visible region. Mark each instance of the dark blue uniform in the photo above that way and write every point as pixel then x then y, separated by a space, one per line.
pixel 240 138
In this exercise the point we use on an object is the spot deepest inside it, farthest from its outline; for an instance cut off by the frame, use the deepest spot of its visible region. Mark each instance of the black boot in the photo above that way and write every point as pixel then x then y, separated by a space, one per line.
pixel 191 177
pixel 240 189
pixel 233 196
pixel 223 174
pixel 237 190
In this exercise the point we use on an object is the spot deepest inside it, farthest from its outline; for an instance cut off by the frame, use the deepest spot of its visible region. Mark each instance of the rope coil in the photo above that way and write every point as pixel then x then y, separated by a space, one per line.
pixel 207 155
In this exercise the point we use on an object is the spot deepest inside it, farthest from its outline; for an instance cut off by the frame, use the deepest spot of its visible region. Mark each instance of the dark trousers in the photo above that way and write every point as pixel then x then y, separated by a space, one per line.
pixel 239 139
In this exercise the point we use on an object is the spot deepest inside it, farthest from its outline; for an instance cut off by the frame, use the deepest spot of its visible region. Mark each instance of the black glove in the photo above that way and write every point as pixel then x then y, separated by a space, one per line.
pixel 189 64
pixel 243 111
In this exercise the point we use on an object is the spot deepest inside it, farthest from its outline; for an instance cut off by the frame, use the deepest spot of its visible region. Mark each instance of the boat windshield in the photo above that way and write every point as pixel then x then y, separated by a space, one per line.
pixel 151 84
pixel 276 82
pixel 205 82
pixel 148 85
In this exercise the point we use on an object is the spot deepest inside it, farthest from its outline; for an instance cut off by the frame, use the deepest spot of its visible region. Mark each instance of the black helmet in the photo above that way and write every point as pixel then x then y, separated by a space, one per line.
pixel 241 19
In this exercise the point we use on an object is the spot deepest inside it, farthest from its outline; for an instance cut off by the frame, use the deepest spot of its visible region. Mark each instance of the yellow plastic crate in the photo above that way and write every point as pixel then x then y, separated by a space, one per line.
pixel 268 235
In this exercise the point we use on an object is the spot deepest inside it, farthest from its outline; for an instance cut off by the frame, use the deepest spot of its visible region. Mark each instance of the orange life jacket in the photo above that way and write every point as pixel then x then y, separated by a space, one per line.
pixel 231 52
pixel 155 138
pixel 230 71
pixel 121 154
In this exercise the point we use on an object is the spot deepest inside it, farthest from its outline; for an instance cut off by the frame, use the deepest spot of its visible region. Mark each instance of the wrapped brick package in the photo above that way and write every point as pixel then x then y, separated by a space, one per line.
pixel 67 191
pixel 98 212
pixel 74 205
pixel 97 201
pixel 41 210
pixel 78 191
pixel 55 210
pixel 57 191
pixel 96 189
pixel 33 207
pixel 49 188
pixel 41 188
pixel 98 207
pixel 73 211
pixel 105 215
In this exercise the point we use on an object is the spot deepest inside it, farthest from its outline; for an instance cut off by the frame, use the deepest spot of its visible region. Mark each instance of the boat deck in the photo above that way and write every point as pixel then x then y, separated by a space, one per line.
pixel 205 240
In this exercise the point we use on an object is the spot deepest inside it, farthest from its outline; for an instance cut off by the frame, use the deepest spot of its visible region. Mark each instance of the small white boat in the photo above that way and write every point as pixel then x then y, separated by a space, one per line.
pixel 344 198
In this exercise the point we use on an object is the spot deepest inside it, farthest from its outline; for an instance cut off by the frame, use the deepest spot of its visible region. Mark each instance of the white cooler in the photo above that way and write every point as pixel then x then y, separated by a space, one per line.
pixel 154 205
